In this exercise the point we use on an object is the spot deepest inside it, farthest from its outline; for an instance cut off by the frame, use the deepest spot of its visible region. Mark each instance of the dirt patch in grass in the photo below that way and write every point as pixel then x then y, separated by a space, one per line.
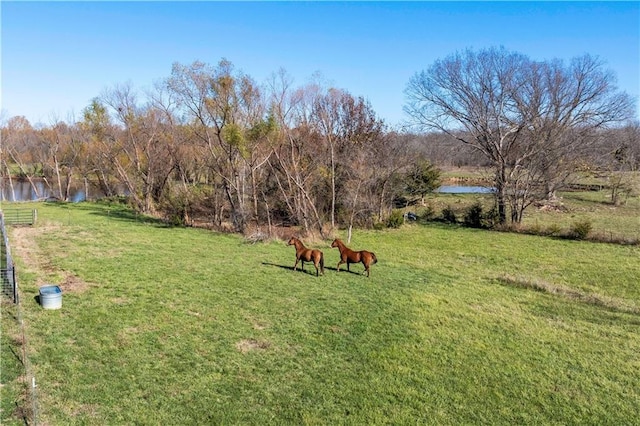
pixel 248 345
pixel 24 246
pixel 73 284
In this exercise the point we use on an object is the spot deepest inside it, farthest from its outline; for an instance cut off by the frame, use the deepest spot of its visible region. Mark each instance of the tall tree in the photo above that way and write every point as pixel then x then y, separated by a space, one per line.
pixel 222 106
pixel 470 96
pixel 140 153
pixel 297 151
pixel 516 112
pixel 62 147
pixel 99 133
pixel 21 149
pixel 565 105
pixel 347 125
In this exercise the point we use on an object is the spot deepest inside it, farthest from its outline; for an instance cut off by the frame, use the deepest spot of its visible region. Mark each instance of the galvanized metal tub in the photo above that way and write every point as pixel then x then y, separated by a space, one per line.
pixel 51 297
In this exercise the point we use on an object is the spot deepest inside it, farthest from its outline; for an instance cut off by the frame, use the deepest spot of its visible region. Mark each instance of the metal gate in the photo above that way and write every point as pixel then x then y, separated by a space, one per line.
pixel 7 268
pixel 19 216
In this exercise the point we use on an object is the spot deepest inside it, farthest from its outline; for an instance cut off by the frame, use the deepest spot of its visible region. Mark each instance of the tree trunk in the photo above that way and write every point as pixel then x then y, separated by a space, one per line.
pixel 501 199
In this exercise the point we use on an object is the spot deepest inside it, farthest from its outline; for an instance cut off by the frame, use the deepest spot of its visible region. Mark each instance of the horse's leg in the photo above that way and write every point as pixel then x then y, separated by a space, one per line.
pixel 340 263
pixel 315 260
pixel 296 265
pixel 367 261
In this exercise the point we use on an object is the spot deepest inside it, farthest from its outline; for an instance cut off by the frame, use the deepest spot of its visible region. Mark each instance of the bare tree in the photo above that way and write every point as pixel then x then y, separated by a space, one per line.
pixel 470 96
pixel 21 150
pixel 390 156
pixel 140 152
pixel 185 195
pixel 619 160
pixel 564 107
pixel 62 148
pixel 297 151
pixel 521 115
pixel 347 125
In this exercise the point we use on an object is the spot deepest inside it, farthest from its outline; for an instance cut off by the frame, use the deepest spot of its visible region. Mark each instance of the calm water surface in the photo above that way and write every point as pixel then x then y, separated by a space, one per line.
pixel 23 191
pixel 459 189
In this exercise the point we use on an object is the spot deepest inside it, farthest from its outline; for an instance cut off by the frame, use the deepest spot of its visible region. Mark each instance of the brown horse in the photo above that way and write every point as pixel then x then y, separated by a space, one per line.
pixel 304 254
pixel 349 256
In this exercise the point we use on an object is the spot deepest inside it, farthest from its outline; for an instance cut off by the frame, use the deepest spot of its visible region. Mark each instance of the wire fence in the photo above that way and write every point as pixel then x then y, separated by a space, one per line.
pixel 7 269
pixel 29 410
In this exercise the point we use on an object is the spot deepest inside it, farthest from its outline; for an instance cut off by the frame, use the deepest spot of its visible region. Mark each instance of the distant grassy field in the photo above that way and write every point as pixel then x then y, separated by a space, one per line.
pixel 455 326
pixel 608 222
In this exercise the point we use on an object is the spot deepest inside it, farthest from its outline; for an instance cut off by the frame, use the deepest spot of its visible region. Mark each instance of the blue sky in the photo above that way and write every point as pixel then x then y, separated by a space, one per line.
pixel 57 56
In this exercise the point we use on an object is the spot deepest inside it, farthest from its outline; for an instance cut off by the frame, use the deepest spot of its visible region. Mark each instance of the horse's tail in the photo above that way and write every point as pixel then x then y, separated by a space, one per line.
pixel 322 262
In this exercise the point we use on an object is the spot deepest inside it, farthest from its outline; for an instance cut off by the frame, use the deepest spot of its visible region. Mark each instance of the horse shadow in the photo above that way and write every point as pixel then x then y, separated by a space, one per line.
pixel 311 271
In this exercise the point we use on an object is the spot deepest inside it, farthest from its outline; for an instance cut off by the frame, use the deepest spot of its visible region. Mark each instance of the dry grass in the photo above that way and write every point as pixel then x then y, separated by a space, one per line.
pixel 612 303
pixel 248 345
pixel 23 245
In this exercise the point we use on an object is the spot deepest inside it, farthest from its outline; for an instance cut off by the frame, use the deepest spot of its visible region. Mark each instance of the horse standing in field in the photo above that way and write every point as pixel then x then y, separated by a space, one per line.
pixel 304 254
pixel 349 256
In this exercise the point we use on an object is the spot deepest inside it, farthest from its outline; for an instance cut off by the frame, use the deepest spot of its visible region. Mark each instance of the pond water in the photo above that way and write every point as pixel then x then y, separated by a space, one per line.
pixel 460 189
pixel 24 191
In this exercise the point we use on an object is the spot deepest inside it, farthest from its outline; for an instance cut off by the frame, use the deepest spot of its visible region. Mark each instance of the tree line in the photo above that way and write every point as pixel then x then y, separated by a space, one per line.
pixel 209 143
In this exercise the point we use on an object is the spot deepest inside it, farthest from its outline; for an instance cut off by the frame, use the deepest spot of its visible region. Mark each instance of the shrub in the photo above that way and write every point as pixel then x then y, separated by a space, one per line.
pixel 449 215
pixel 535 229
pixel 473 216
pixel 580 230
pixel 553 229
pixel 491 217
pixel 178 204
pixel 428 213
pixel 378 226
pixel 396 219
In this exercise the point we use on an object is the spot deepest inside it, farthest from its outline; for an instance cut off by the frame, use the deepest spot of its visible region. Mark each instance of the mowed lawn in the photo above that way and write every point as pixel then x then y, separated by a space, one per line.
pixel 455 326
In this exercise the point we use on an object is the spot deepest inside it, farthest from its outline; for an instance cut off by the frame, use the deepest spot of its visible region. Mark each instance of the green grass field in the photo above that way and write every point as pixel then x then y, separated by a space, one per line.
pixel 455 326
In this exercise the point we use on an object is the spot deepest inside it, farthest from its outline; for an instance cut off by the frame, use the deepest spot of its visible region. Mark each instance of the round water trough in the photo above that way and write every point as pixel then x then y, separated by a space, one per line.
pixel 51 297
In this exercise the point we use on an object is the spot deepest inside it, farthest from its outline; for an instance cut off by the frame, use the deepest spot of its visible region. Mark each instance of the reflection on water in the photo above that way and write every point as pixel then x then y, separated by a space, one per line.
pixel 23 191
pixel 458 189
